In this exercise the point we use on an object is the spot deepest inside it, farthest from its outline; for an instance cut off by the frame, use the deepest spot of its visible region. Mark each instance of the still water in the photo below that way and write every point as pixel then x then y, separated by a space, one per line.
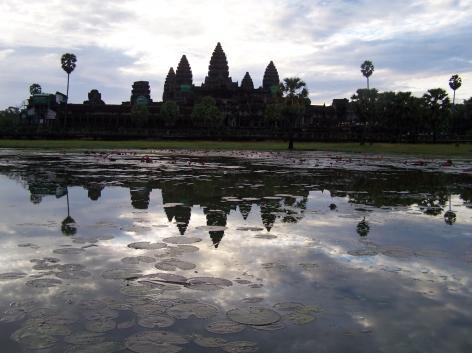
pixel 230 252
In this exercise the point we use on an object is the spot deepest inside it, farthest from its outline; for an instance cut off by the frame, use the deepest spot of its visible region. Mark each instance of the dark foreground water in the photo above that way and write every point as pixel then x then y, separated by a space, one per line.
pixel 233 252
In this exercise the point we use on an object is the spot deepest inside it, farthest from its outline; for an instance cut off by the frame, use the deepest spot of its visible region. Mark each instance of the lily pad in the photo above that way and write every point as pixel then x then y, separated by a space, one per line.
pixel 174 264
pixel 68 251
pixel 265 236
pixel 199 310
pixel 240 347
pixel 152 321
pixel 145 245
pixel 254 316
pixel 181 240
pixel 224 327
pixel 84 338
pixel 100 325
pixel 135 260
pixel 102 347
pixel 43 283
pixel 12 275
pixel 209 342
pixel 121 273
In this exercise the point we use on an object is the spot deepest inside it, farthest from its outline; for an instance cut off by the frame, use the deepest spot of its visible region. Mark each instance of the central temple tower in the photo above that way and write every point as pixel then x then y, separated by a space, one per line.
pixel 218 71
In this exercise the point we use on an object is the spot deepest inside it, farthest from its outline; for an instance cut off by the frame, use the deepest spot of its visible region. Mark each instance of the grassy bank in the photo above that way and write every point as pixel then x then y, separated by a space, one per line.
pixel 444 150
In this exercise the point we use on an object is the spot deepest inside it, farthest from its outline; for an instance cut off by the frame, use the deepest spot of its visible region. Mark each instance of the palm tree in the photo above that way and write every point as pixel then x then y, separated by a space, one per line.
pixel 367 69
pixel 68 63
pixel 35 89
pixel 455 82
pixel 296 99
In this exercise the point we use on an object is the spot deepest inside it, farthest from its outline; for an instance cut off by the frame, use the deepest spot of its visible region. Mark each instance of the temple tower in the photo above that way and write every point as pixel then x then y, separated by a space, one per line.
pixel 170 86
pixel 271 79
pixel 218 71
pixel 141 93
pixel 246 83
pixel 183 76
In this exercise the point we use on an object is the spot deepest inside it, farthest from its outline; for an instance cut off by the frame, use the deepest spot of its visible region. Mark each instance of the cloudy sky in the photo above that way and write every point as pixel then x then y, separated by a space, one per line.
pixel 414 44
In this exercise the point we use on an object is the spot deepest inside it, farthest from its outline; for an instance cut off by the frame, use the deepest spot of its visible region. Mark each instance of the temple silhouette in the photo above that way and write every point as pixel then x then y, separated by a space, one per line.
pixel 242 106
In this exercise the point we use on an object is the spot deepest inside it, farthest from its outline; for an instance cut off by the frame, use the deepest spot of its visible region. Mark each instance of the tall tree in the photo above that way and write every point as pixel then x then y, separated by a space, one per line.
pixel 35 89
pixel 295 97
pixel 68 63
pixel 438 103
pixel 455 82
pixel 364 103
pixel 367 69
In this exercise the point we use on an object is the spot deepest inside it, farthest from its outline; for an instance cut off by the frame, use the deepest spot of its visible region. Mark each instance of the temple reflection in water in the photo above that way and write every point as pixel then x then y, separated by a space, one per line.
pixel 277 196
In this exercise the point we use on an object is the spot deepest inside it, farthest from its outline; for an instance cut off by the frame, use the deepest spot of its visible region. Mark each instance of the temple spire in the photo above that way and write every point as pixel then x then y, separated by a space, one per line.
pixel 246 83
pixel 184 73
pixel 271 77
pixel 218 70
pixel 170 86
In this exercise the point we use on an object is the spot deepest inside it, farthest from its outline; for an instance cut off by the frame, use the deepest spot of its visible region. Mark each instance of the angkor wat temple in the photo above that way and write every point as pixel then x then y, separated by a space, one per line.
pixel 242 106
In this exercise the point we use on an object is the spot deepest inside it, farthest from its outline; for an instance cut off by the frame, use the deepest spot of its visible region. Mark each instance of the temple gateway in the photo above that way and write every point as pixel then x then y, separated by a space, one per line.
pixel 241 105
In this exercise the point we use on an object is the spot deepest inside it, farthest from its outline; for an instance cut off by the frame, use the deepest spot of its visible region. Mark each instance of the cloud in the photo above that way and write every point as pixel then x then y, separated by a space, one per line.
pixel 414 45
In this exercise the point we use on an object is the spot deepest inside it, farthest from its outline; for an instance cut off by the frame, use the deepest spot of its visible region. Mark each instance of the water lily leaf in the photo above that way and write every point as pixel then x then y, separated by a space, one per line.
pixel 254 316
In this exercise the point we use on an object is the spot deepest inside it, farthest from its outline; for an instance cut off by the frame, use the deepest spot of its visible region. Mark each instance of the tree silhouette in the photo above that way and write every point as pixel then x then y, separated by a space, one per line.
pixel 367 69
pixel 455 82
pixel 35 88
pixel 296 99
pixel 437 102
pixel 68 63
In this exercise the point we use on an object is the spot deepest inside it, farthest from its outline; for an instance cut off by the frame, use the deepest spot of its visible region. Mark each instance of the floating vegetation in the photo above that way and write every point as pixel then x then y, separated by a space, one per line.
pixel 254 316
pixel 121 273
pixel 171 277
pixel 265 236
pixel 12 315
pixel 253 300
pixel 309 267
pixel 209 342
pixel 181 240
pixel 28 245
pixel 145 245
pixel 199 310
pixel 274 266
pixel 272 327
pixel 101 347
pixel 363 252
pixel 397 251
pixel 84 338
pixel 68 251
pixel 43 283
pixel 174 264
pixel 135 260
pixel 135 290
pixel 208 283
pixel 240 347
pixel 155 342
pixel 224 327
pixel 212 228
pixel 250 229
pixel 102 314
pixel 288 306
pixel 299 318
pixel 153 320
pixel 100 326
pixel 12 275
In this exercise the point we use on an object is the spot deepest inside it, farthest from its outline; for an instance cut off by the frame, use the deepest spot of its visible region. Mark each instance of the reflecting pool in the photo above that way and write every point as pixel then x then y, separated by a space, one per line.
pixel 162 252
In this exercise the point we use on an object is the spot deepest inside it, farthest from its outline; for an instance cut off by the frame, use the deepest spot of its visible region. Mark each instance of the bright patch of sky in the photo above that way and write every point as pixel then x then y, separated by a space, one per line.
pixel 415 45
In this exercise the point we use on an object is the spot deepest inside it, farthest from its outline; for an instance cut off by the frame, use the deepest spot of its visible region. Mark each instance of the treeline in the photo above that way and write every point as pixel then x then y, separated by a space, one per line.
pixel 402 116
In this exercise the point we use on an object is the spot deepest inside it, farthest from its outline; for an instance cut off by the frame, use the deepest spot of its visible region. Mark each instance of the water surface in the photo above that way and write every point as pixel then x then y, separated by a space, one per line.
pixel 329 253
